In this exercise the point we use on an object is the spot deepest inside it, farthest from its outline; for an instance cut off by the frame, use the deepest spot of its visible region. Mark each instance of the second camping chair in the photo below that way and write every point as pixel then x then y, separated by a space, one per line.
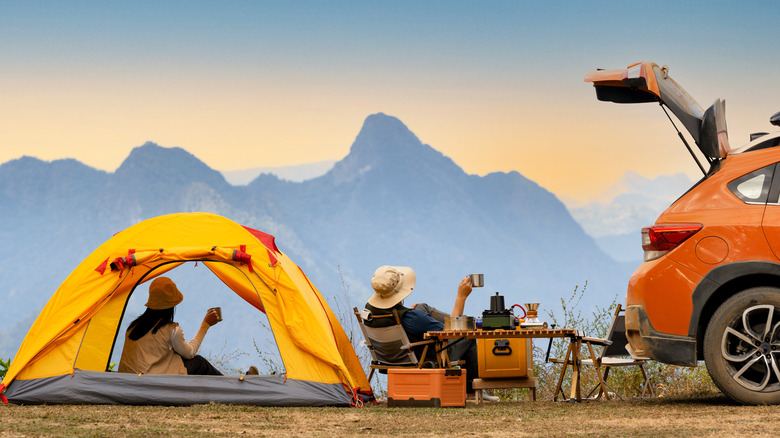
pixel 613 353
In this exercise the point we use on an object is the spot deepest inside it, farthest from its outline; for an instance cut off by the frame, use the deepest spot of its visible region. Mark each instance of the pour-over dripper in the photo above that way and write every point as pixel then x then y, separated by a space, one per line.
pixel 532 315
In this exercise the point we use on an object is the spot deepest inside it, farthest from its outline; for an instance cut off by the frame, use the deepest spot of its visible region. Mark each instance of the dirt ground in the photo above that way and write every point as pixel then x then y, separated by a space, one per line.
pixel 715 416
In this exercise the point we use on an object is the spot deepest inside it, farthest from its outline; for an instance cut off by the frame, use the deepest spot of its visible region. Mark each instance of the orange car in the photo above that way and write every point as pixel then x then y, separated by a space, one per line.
pixel 709 288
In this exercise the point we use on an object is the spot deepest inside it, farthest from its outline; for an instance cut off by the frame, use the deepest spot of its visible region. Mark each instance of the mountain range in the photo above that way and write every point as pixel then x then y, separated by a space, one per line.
pixel 295 173
pixel 615 217
pixel 392 200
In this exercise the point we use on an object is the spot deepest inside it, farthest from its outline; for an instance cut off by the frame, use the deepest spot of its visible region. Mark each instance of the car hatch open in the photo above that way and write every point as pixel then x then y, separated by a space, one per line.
pixel 647 82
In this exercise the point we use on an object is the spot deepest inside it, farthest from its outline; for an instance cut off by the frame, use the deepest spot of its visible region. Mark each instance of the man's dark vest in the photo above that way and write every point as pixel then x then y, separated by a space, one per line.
pixel 384 321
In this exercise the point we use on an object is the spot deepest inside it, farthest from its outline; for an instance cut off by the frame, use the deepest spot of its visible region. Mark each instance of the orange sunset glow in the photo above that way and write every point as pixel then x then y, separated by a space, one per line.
pixel 496 88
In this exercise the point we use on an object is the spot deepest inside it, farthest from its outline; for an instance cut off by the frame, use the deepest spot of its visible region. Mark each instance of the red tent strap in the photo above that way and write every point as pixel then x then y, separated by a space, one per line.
pixel 118 264
pixel 356 401
pixel 130 259
pixel 102 267
pixel 240 256
pixel 2 397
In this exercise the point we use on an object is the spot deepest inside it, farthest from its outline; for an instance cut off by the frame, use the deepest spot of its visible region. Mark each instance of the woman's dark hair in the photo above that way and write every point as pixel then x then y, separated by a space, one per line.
pixel 149 320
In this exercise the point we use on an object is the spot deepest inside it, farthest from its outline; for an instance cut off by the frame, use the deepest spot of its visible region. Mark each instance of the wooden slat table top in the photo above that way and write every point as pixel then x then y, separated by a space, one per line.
pixel 517 333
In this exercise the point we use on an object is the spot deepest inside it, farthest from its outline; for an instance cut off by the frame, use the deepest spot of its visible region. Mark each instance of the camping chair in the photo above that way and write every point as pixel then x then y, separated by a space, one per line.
pixel 389 346
pixel 614 353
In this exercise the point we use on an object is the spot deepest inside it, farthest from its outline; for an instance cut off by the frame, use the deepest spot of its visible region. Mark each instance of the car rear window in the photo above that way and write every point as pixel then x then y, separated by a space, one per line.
pixel 753 188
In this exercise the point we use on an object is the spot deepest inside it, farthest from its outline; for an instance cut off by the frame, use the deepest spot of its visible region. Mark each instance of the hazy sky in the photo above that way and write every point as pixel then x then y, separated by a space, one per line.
pixel 496 86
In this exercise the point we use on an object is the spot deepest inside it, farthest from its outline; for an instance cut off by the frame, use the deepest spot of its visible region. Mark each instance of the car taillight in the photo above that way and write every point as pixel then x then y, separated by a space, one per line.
pixel 660 239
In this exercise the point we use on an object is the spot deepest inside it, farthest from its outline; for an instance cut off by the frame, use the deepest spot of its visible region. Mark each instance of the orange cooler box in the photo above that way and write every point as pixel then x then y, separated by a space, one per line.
pixel 426 387
pixel 504 358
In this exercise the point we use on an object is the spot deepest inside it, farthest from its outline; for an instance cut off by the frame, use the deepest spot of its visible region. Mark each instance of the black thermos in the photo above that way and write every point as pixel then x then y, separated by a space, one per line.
pixel 497 303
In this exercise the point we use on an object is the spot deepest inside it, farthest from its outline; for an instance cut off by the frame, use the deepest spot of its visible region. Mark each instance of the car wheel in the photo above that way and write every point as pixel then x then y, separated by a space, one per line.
pixel 742 346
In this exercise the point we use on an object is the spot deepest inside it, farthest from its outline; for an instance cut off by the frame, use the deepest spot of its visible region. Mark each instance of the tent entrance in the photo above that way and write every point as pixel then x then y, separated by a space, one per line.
pixel 230 345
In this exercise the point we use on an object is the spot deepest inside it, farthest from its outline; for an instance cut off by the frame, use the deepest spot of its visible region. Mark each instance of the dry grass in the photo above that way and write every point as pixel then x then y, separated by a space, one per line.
pixel 679 417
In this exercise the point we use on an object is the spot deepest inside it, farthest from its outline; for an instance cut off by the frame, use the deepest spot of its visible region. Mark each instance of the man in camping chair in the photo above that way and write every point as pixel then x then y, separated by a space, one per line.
pixel 392 284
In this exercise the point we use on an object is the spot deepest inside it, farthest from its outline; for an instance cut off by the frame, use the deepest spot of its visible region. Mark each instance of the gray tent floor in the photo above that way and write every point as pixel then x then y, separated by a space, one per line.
pixel 95 387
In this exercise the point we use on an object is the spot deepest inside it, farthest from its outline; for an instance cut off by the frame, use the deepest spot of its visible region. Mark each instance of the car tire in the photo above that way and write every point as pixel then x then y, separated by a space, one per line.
pixel 742 346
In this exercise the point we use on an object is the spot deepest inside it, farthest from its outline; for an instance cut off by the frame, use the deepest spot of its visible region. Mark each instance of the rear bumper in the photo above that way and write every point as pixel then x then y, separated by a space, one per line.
pixel 647 342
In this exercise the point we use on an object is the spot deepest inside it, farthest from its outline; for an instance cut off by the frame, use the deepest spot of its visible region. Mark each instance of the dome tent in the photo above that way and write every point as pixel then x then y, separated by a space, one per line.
pixel 65 355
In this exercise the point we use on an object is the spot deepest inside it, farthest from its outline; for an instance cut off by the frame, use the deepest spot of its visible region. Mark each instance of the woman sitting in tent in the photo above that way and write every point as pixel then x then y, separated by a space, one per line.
pixel 154 344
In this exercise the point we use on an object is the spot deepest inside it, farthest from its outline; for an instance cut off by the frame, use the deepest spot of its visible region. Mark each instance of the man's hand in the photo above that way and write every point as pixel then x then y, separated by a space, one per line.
pixel 464 290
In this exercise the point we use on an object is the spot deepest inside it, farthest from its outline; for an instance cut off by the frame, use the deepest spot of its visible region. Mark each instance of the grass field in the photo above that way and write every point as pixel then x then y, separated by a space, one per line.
pixel 678 417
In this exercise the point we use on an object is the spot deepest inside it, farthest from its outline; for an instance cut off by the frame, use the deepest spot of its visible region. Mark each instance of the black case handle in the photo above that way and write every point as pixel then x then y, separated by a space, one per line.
pixel 501 347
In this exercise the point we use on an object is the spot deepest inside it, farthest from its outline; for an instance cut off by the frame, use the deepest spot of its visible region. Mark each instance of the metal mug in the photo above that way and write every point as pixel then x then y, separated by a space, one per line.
pixel 477 280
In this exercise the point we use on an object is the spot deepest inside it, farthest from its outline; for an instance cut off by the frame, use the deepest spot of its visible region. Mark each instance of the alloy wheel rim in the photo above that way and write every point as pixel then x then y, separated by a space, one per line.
pixel 751 348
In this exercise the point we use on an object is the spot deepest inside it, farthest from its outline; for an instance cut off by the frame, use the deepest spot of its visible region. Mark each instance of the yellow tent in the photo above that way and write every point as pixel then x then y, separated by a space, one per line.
pixel 65 355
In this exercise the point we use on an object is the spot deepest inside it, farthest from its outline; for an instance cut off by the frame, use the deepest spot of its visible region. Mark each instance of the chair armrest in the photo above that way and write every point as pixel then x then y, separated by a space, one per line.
pixel 597 341
pixel 416 344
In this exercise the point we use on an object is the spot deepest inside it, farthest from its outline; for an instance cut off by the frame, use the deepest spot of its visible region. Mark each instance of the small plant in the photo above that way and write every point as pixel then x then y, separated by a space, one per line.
pixel 222 360
pixel 344 313
pixel 270 360
pixel 4 365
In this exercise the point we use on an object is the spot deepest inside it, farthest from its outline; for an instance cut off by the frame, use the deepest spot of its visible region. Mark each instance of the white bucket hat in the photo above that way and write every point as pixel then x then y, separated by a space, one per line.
pixel 391 285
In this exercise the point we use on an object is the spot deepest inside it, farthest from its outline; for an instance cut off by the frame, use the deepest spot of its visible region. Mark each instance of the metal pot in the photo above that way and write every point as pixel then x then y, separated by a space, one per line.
pixel 462 322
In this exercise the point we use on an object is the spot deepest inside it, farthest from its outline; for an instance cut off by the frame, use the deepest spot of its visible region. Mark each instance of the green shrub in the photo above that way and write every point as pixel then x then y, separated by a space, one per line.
pixel 4 365
pixel 627 381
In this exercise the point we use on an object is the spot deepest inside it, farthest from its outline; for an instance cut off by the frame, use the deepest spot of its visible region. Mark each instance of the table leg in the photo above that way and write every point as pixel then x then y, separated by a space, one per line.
pixel 576 393
pixel 558 389
pixel 444 358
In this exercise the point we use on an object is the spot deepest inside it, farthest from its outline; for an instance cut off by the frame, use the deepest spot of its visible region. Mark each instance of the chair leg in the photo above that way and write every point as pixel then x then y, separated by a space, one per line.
pixel 598 386
pixel 421 360
pixel 647 386
pixel 606 377
pixel 597 369
pixel 607 386
pixel 370 375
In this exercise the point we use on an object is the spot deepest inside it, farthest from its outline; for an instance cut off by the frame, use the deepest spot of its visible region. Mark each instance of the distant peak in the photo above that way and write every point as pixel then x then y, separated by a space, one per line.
pixel 382 119
pixel 382 124
pixel 171 164
pixel 156 150
pixel 385 144
pixel 382 134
